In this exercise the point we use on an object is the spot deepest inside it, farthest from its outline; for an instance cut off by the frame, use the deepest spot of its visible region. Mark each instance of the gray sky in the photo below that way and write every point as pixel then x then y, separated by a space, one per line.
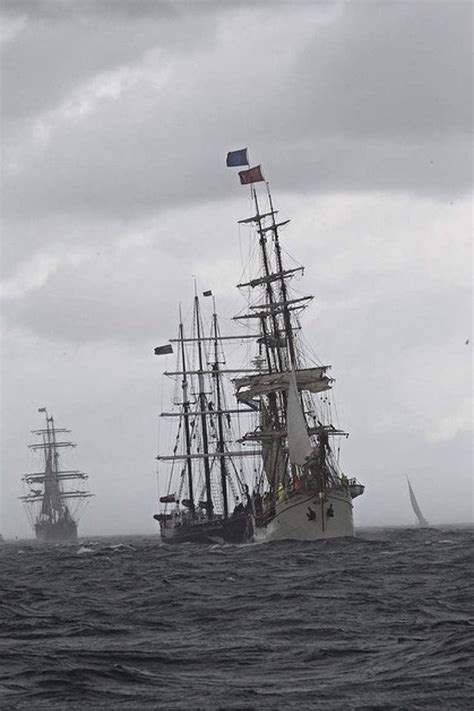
pixel 116 119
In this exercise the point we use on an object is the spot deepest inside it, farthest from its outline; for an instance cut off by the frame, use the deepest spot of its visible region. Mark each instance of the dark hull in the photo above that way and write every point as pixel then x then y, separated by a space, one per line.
pixel 58 532
pixel 236 529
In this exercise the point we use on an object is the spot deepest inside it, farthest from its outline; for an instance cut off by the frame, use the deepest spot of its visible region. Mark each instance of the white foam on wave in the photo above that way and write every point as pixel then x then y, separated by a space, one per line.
pixel 84 550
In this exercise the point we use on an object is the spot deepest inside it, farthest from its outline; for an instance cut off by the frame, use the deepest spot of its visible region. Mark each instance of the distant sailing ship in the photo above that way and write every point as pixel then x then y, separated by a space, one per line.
pixel 422 522
pixel 50 492
pixel 298 489
pixel 203 470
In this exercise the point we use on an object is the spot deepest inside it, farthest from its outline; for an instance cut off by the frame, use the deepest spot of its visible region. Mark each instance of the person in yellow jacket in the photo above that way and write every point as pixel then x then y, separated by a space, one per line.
pixel 280 492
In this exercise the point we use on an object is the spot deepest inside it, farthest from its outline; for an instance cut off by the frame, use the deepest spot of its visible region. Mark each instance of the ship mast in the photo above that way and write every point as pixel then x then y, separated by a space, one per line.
pixel 203 408
pixel 186 403
pixel 220 425
pixel 279 326
pixel 51 500
pixel 272 341
pixel 274 345
pixel 284 293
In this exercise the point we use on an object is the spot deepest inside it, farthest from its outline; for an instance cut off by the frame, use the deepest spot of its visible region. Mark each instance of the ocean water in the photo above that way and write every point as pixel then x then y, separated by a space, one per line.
pixel 383 621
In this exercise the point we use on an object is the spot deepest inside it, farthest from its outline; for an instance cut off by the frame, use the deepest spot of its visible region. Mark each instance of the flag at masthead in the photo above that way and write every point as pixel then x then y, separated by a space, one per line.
pixel 237 158
pixel 253 175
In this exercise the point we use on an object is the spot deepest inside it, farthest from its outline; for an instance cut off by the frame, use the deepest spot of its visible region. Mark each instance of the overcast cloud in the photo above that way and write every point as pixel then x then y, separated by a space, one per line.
pixel 116 119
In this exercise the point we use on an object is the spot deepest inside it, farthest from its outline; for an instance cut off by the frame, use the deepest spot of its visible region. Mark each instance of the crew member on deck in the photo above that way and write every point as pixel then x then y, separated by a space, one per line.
pixel 280 492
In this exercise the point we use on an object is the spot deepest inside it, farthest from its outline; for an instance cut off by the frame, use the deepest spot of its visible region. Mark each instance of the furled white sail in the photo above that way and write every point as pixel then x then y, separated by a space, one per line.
pixel 299 445
pixel 273 454
pixel 312 379
pixel 421 519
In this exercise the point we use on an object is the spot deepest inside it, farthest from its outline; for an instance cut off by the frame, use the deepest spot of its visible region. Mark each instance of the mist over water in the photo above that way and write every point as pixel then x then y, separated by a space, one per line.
pixel 383 621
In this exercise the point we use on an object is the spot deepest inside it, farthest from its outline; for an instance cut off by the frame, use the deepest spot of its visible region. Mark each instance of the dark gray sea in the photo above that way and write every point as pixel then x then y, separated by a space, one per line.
pixel 384 621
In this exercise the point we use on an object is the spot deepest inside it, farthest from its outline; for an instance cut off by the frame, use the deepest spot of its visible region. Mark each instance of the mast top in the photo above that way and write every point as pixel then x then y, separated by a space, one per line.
pixel 256 218
pixel 54 429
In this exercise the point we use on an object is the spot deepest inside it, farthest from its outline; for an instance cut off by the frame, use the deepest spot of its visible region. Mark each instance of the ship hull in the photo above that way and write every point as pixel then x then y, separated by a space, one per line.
pixel 56 532
pixel 236 529
pixel 310 518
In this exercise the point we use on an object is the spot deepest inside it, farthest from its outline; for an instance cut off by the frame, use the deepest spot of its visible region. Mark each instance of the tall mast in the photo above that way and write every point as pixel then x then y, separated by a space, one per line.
pixel 284 292
pixel 274 344
pixel 56 504
pixel 46 498
pixel 47 444
pixel 278 330
pixel 286 313
pixel 202 406
pixel 271 299
pixel 274 408
pixel 220 442
pixel 54 450
pixel 50 471
pixel 186 403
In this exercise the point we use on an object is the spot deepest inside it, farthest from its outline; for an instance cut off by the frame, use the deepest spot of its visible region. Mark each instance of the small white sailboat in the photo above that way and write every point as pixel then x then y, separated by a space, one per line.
pixel 416 508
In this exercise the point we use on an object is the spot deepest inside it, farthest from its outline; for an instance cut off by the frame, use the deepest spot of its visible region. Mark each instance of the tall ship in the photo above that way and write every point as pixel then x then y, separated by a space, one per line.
pixel 302 492
pixel 55 496
pixel 287 434
pixel 206 499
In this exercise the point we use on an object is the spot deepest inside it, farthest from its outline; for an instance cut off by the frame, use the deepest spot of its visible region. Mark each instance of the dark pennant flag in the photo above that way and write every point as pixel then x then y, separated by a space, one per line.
pixel 161 350
pixel 236 158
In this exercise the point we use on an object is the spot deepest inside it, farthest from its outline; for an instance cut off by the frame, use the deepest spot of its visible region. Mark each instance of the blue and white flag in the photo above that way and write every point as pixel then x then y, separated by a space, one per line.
pixel 237 158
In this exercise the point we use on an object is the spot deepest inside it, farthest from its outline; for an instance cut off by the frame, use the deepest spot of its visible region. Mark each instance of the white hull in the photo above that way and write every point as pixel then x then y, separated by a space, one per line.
pixel 308 518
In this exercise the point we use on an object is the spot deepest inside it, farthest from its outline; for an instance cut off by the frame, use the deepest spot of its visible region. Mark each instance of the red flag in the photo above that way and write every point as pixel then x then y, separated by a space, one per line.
pixel 254 175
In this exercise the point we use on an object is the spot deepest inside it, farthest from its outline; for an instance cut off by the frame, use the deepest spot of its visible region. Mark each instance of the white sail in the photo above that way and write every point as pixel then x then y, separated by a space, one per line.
pixel 299 445
pixel 312 379
pixel 421 519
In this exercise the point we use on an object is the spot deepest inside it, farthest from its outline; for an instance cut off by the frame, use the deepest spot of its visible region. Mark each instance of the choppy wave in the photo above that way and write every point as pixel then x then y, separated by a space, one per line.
pixel 383 621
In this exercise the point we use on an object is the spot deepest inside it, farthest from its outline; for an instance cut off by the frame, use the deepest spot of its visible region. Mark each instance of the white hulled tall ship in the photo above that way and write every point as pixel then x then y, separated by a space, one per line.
pixel 301 492
pixel 54 496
